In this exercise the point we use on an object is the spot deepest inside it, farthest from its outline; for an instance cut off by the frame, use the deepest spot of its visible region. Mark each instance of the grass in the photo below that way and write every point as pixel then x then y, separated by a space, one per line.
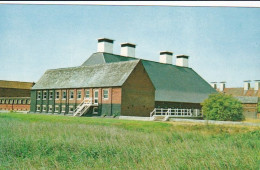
pixel 61 142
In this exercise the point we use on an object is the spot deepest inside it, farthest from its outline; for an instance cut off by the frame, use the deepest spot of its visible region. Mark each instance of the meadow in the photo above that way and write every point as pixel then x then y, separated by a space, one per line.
pixel 34 141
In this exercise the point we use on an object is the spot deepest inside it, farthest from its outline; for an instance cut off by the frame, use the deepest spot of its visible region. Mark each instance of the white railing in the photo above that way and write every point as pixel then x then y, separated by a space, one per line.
pixel 83 107
pixel 175 112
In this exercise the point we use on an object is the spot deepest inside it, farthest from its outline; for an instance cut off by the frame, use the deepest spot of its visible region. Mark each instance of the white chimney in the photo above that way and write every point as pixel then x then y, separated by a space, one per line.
pixel 128 49
pixel 166 57
pixel 257 85
pixel 105 45
pixel 214 84
pixel 182 60
pixel 247 85
pixel 222 85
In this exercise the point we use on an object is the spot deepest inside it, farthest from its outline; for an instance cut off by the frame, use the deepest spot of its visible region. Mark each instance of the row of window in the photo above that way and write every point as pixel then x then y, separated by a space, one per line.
pixel 71 94
pixel 15 101
pixel 57 109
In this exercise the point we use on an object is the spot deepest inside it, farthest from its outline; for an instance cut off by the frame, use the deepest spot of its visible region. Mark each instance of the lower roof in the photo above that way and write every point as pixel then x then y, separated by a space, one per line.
pixel 16 84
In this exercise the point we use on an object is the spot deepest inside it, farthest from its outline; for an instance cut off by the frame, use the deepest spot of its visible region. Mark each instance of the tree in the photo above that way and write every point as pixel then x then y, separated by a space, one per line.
pixel 220 106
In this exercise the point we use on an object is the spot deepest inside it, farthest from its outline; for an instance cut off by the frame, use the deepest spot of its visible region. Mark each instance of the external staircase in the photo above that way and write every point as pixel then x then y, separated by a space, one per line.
pixel 83 107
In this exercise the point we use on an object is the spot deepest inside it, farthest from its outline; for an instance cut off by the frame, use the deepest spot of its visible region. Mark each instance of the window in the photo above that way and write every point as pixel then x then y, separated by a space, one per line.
pixel 64 95
pixel 19 102
pixel 87 94
pixel 57 108
pixel 38 108
pixel 71 94
pixel 38 95
pixel 79 94
pixel 50 108
pixel 22 102
pixel 105 94
pixel 71 109
pixel 63 108
pixel 11 101
pixel 44 95
pixel 28 101
pixel 50 95
pixel 44 108
pixel 57 95
pixel 0 101
pixel 15 101
pixel 6 101
pixel 95 110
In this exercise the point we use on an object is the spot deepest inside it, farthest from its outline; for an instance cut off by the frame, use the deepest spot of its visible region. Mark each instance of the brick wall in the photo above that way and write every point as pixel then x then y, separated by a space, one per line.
pixel 138 93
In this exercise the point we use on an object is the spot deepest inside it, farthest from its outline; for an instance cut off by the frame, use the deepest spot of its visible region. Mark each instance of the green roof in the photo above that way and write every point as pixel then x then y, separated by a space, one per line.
pixel 100 75
pixel 172 83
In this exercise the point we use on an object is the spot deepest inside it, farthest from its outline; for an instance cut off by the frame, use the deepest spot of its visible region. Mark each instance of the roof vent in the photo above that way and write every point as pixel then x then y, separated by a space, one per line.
pixel 257 85
pixel 166 57
pixel 222 86
pixel 247 85
pixel 214 84
pixel 128 49
pixel 182 60
pixel 105 45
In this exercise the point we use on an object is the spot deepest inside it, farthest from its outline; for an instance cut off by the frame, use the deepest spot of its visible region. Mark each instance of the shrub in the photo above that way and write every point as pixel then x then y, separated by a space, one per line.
pixel 103 115
pixel 222 107
pixel 115 115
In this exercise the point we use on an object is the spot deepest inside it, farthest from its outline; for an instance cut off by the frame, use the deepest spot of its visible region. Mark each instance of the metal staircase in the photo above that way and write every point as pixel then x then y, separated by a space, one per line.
pixel 83 107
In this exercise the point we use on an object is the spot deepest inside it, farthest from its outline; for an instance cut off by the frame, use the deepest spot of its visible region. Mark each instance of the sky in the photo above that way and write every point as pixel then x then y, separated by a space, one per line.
pixel 223 42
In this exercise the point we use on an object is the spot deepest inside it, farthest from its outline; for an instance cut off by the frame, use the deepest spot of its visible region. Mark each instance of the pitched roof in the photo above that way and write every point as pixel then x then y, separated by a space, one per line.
pixel 247 99
pixel 241 92
pixel 101 75
pixel 172 83
pixel 16 84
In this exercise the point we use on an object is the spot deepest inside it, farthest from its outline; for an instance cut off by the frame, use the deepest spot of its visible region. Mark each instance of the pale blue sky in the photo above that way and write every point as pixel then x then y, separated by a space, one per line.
pixel 223 43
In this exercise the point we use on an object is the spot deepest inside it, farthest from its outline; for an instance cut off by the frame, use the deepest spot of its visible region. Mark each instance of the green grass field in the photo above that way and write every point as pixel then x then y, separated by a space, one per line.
pixel 33 141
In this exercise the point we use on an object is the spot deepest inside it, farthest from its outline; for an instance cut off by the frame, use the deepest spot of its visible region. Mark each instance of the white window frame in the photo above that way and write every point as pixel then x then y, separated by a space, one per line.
pixel 79 92
pixel 57 95
pixel 71 111
pixel 94 108
pixel 55 109
pixel 71 94
pixel 63 106
pixel 39 95
pixel 50 108
pixel 15 101
pixel 88 94
pixel 44 97
pixel 50 95
pixel 105 98
pixel 38 108
pixel 64 98
pixel 44 108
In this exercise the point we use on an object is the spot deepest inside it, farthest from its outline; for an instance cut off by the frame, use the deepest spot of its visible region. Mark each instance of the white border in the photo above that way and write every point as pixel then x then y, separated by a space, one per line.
pixel 144 3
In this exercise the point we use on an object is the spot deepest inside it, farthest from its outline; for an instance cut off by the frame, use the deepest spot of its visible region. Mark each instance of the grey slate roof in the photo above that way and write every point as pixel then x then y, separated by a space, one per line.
pixel 247 99
pixel 172 83
pixel 101 75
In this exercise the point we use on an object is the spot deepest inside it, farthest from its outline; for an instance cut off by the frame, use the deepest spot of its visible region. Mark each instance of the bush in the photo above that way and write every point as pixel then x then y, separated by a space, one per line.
pixel 222 107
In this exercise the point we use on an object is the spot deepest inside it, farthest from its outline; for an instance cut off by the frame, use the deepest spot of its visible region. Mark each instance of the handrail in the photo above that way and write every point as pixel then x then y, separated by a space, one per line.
pixel 175 112
pixel 82 105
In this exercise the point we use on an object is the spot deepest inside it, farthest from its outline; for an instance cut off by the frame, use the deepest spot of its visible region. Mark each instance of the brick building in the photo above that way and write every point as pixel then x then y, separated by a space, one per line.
pixel 120 84
pixel 15 95
pixel 248 96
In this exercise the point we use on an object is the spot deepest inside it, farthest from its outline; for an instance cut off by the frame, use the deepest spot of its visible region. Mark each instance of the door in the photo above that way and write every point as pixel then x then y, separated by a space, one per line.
pixel 96 97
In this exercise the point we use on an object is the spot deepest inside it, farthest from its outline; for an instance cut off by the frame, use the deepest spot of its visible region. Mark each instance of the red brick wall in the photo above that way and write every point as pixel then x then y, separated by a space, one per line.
pixel 16 107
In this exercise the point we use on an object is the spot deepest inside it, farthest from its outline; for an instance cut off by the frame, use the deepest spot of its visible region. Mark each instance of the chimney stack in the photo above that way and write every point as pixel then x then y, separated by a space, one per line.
pixel 105 45
pixel 247 85
pixel 182 60
pixel 166 57
pixel 128 49
pixel 257 85
pixel 222 86
pixel 214 84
